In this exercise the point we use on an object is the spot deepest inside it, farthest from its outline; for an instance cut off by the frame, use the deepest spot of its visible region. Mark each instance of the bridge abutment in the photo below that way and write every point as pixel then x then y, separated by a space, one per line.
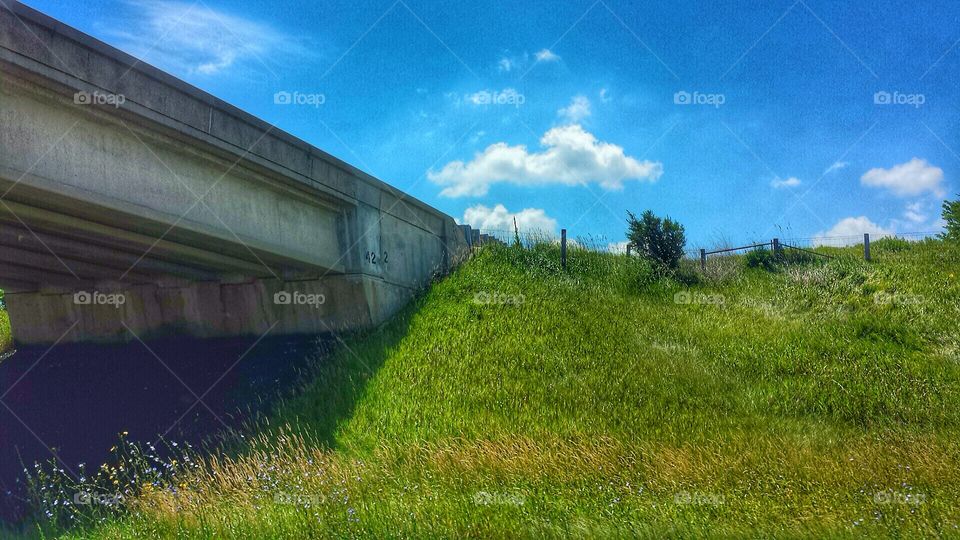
pixel 204 309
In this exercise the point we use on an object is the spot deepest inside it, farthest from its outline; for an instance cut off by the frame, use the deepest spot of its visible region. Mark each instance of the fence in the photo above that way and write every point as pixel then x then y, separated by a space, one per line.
pixel 809 245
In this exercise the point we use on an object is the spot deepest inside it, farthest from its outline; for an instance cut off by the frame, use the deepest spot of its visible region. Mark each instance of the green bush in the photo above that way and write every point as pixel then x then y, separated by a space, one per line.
pixel 660 240
pixel 890 244
pixel 761 258
pixel 951 214
pixel 773 262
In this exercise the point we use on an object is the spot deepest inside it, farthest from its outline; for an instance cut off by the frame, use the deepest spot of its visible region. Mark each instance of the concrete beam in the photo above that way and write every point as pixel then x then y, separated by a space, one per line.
pixel 203 211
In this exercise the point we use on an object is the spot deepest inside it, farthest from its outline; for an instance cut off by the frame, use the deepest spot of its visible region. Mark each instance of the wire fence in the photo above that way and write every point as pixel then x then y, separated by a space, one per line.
pixel 856 240
pixel 704 258
pixel 531 238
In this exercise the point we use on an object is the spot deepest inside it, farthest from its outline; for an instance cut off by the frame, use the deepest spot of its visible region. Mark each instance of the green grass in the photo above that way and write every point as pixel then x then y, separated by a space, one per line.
pixel 822 400
pixel 6 339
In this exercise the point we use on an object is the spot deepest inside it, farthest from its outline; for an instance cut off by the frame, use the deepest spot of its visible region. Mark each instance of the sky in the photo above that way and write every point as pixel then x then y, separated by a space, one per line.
pixel 741 119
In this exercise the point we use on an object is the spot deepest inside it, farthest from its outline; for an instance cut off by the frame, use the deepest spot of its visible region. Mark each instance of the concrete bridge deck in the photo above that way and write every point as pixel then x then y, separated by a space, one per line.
pixel 132 202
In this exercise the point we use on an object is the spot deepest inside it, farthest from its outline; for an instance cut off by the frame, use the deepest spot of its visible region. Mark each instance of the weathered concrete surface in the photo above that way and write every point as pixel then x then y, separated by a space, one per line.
pixel 194 211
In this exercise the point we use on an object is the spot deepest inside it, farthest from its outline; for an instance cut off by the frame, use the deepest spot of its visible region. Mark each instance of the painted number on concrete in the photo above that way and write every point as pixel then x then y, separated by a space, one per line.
pixel 373 258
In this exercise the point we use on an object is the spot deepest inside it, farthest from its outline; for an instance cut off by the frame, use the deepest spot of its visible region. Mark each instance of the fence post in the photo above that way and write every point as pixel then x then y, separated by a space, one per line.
pixel 563 248
pixel 628 249
pixel 703 259
pixel 866 246
pixel 776 247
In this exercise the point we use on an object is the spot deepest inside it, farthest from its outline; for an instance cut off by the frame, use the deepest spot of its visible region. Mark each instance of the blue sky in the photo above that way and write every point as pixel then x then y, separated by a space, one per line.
pixel 742 119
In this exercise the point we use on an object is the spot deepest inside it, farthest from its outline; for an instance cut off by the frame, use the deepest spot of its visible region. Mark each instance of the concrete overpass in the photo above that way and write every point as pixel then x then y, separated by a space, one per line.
pixel 131 199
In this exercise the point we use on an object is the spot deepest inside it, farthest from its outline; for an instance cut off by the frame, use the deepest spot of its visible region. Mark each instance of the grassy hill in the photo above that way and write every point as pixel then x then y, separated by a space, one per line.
pixel 514 400
pixel 5 337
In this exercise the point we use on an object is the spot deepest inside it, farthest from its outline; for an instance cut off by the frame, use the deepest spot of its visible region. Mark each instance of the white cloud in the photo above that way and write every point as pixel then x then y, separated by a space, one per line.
pixel 604 95
pixel 193 38
pixel 499 218
pixel 851 231
pixel 837 165
pixel 506 65
pixel 546 55
pixel 907 179
pixel 617 247
pixel 571 157
pixel 914 212
pixel 779 183
pixel 578 109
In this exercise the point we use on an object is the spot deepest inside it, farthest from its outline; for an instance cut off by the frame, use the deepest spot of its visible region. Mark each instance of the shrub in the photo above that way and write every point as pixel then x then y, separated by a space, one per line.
pixel 661 240
pixel 772 262
pixel 951 214
pixel 890 244
pixel 761 258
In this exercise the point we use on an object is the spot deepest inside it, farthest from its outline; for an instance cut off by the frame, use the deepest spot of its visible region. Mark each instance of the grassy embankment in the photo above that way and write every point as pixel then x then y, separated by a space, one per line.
pixel 5 337
pixel 823 400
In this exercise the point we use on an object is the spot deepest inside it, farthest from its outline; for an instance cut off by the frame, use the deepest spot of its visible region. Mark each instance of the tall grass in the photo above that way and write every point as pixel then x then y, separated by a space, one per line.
pixel 519 399
pixel 6 338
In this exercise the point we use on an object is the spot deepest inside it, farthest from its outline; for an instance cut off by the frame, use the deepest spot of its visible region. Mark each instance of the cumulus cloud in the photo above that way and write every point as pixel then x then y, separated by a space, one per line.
pixel 837 165
pixel 571 156
pixel 499 218
pixel 546 55
pixel 849 231
pixel 193 38
pixel 914 213
pixel 779 183
pixel 907 179
pixel 617 247
pixel 578 109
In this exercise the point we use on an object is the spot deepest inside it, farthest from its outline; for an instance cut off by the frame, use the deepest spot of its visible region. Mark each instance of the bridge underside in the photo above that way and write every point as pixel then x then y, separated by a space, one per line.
pixel 175 212
pixel 52 264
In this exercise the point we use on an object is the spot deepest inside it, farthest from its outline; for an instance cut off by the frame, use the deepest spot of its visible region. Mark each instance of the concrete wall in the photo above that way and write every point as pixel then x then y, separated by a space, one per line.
pixel 104 198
